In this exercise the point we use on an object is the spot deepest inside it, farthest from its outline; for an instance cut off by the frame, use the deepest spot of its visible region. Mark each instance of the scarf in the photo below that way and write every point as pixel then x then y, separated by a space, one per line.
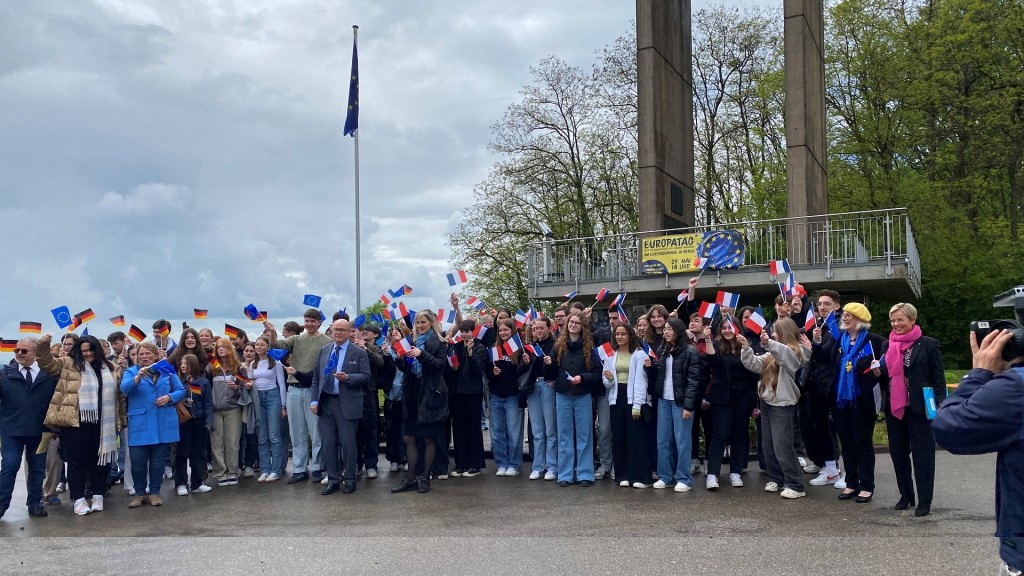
pixel 98 403
pixel 898 346
pixel 846 385
pixel 421 341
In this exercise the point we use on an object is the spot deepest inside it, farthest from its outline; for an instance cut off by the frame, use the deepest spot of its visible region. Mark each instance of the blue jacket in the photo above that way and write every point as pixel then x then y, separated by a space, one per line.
pixel 986 414
pixel 148 423
pixel 22 407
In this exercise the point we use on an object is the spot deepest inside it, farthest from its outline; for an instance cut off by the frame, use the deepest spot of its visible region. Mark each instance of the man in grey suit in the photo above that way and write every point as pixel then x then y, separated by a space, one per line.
pixel 342 372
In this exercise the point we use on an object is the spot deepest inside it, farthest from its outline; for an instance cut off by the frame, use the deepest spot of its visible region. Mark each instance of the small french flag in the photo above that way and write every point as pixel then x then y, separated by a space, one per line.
pixel 622 314
pixel 495 354
pixel 476 303
pixel 536 350
pixel 810 322
pixel 453 360
pixel 776 267
pixel 756 321
pixel 605 351
pixel 385 299
pixel 788 288
pixel 457 277
pixel 521 318
pixel 512 344
pixel 571 295
pixel 601 294
pixel 647 349
pixel 682 295
pixel 701 263
pixel 402 346
pixel 450 319
pixel 727 299
pixel 618 299
pixel 708 310
pixel 479 331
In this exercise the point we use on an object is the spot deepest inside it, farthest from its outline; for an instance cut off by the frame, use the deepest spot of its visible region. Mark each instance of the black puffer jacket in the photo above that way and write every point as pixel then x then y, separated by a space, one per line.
pixel 685 375
pixel 573 362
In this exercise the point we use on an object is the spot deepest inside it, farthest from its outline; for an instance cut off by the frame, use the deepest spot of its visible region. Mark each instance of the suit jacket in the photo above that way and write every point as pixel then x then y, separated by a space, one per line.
pixel 925 370
pixel 23 407
pixel 357 365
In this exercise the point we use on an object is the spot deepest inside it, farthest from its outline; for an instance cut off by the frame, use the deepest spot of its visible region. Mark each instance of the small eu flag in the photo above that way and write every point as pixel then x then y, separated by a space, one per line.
pixel 311 300
pixel 352 118
pixel 63 316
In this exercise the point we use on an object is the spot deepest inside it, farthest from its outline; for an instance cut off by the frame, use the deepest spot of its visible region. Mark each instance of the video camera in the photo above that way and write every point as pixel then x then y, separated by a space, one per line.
pixel 1015 347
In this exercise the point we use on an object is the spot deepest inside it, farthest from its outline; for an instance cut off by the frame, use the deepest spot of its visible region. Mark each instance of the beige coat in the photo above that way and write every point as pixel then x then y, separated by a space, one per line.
pixel 69 380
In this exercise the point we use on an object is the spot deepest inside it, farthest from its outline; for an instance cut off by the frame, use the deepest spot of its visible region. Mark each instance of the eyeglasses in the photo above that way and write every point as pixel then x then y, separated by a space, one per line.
pixel 574 323
pixel 22 350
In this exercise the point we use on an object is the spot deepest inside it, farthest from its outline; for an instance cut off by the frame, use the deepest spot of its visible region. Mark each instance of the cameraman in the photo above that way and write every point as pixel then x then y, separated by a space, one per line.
pixel 986 414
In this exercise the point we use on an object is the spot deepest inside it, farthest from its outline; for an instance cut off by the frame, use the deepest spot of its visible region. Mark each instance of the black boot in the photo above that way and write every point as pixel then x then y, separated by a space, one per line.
pixel 425 485
pixel 905 503
pixel 406 486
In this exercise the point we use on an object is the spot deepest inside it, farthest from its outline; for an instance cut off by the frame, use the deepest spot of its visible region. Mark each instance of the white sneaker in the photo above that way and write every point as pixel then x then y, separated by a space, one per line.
pixel 771 487
pixel 812 468
pixel 61 487
pixel 272 477
pixel 168 473
pixel 131 491
pixel 535 475
pixel 736 480
pixel 640 485
pixel 600 472
pixel 324 481
pixel 792 494
pixel 660 484
pixel 394 467
pixel 802 461
pixel 182 490
pixel 549 475
pixel 203 488
pixel 97 504
pixel 694 467
pixel 501 471
pixel 624 483
pixel 711 483
pixel 442 476
pixel 82 507
pixel 680 487
pixel 841 483
pixel 248 473
pixel 263 477
pixel 825 477
pixel 512 472
pixel 371 473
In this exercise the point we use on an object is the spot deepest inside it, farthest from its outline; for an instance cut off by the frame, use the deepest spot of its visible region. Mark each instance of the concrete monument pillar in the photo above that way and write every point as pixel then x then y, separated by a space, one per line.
pixel 665 101
pixel 806 174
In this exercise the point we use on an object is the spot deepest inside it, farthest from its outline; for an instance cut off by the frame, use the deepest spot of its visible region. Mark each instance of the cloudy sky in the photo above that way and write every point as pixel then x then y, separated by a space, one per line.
pixel 160 156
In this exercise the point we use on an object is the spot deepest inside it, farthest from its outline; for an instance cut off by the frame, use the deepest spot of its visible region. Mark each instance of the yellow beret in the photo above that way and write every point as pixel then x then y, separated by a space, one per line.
pixel 858 311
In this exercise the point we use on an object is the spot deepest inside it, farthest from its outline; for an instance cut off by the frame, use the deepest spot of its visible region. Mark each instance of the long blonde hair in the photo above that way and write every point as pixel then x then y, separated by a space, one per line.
pixel 786 333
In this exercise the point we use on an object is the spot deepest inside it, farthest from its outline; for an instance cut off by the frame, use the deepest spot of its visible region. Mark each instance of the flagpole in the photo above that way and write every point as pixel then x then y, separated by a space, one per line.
pixel 359 304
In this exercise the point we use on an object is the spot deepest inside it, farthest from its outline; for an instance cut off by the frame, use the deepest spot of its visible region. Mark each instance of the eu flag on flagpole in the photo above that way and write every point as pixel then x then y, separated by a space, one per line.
pixel 352 119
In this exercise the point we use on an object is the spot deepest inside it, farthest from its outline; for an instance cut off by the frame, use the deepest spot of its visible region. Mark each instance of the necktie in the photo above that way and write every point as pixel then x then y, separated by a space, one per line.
pixel 28 376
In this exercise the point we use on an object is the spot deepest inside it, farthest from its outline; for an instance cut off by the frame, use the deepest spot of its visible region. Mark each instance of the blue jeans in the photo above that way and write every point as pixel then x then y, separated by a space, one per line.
pixel 541 405
pixel 148 460
pixel 302 428
pixel 575 415
pixel 269 431
pixel 672 426
pixel 11 451
pixel 506 432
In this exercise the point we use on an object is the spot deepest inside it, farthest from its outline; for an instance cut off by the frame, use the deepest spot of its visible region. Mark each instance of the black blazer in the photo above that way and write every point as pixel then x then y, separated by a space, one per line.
pixel 23 407
pixel 925 370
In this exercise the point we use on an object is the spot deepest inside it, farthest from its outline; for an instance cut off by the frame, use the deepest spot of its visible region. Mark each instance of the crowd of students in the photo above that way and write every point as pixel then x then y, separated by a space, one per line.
pixel 651 404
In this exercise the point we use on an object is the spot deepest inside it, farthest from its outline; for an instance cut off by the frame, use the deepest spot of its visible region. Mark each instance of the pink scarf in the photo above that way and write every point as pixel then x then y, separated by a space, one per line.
pixel 898 346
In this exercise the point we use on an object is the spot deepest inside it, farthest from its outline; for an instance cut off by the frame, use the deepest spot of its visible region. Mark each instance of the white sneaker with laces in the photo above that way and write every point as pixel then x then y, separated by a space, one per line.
pixel 324 481
pixel 535 475
pixel 802 461
pixel 168 473
pixel 680 487
pixel 549 475
pixel 711 483
pixel 791 494
pixel 841 483
pixel 825 477
pixel 82 507
pixel 736 480
pixel 512 472
pixel 501 471
pixel 272 477
pixel 640 485
pixel 182 490
pixel 600 472
pixel 263 477
pixel 660 484
pixel 771 487
pixel 203 488
pixel 97 504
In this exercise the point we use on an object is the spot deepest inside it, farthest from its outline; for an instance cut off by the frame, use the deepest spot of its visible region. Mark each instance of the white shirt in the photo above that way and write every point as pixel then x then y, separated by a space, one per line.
pixel 33 368
pixel 669 392
pixel 265 378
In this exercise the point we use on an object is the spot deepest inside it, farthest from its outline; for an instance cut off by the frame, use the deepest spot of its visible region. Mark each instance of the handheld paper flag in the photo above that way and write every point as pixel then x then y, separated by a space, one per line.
pixel 231 331
pixel 776 267
pixel 457 277
pixel 136 333
pixel 311 300
pixel 251 312
pixel 277 354
pixel 385 299
pixel 62 315
pixel 403 346
pixel 809 320
pixel 453 359
pixel 707 309
pixel 199 314
pixel 727 299
pixel 756 321
pixel 571 295
pixel 647 349
pixel 701 263
pixel 495 354
pixel 605 351
pixel 833 326
pixel 682 295
pixel 117 320
pixel 536 350
pixel 520 318
pixel 31 328
pixel 8 345
pixel 601 294
pixel 476 303
pixel 618 300
pixel 163 367
pixel 622 314
pixel 512 344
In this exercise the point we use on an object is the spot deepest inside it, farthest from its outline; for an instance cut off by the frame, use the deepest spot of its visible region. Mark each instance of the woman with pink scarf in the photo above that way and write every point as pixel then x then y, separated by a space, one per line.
pixel 912 364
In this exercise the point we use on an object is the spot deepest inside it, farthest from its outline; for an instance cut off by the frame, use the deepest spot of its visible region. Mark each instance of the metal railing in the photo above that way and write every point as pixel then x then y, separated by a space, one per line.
pixel 827 240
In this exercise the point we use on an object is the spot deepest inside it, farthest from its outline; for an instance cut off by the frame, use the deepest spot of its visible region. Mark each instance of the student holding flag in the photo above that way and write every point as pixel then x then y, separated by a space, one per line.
pixel 190 344
pixel 815 418
pixel 625 378
pixel 673 381
pixel 469 361
pixel 225 383
pixel 910 364
pixel 733 397
pixel 578 372
pixel 269 383
pixel 193 434
pixel 541 401
pixel 855 397
pixel 506 368
pixel 84 408
pixel 152 391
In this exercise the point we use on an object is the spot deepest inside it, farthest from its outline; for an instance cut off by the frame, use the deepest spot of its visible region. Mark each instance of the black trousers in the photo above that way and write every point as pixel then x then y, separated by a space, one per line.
pixel 912 436
pixel 732 427
pixel 337 438
pixel 816 428
pixel 856 427
pixel 192 443
pixel 629 444
pixel 702 419
pixel 80 447
pixel 366 434
pixel 394 449
pixel 469 439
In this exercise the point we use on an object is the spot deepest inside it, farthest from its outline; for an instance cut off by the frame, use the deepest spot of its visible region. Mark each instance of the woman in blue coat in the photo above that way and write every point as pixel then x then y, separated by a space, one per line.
pixel 152 422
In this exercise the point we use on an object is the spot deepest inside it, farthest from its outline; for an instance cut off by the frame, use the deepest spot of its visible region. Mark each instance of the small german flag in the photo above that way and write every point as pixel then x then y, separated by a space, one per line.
pixel 117 320
pixel 165 331
pixel 214 363
pixel 31 328
pixel 8 345
pixel 195 389
pixel 262 316
pixel 85 316
pixel 230 331
pixel 75 323
pixel 136 333
pixel 199 314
